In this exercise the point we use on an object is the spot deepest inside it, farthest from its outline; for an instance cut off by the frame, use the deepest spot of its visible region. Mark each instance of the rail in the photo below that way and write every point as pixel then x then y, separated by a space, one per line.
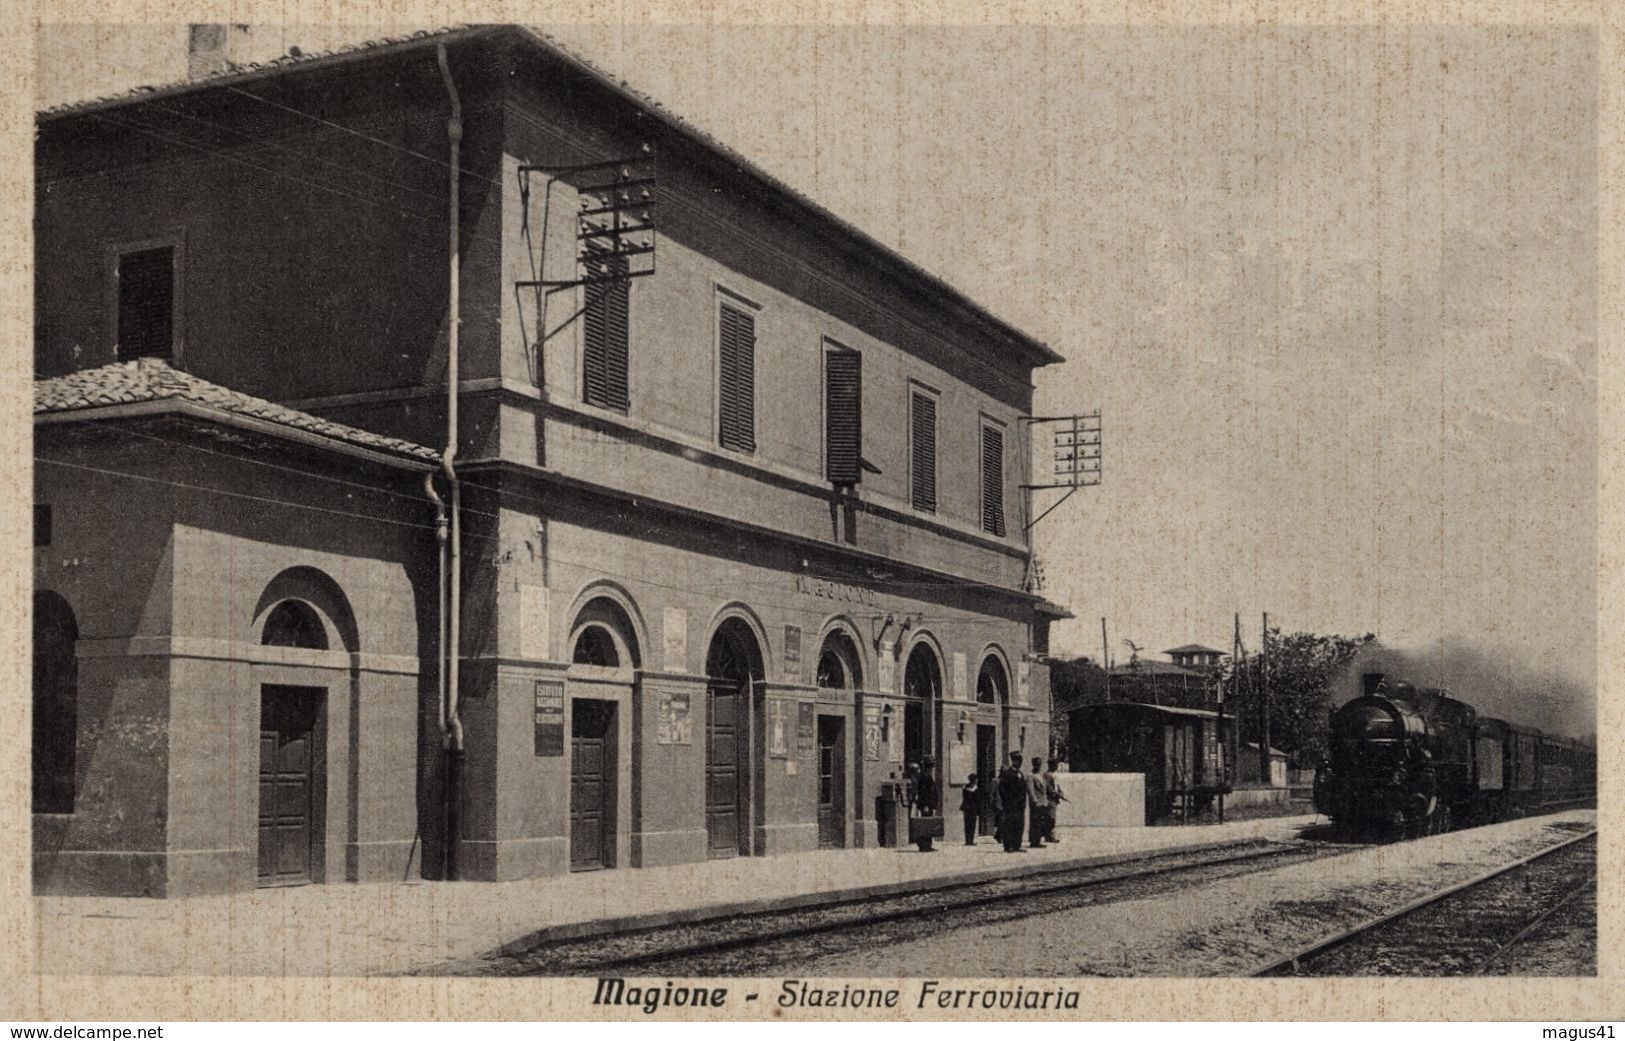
pixel 1292 963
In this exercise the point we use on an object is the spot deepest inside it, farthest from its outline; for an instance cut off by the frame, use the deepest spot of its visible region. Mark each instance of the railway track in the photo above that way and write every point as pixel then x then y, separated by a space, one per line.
pixel 1463 930
pixel 751 943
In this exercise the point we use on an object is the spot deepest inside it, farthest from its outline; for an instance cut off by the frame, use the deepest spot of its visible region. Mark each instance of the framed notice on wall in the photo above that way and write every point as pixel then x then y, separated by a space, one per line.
pixel 778 729
pixel 549 718
pixel 871 732
pixel 675 727
pixel 804 729
pixel 792 652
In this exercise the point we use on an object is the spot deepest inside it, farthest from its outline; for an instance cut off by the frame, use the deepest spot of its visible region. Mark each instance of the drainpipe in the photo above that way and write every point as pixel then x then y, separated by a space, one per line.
pixel 440 537
pixel 448 459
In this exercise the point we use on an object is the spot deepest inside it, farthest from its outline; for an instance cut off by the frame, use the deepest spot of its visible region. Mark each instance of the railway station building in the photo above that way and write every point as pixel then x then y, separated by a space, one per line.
pixel 737 519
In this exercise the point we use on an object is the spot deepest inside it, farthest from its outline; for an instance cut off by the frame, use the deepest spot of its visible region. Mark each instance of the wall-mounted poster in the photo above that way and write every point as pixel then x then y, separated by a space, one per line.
pixel 792 652
pixel 884 658
pixel 674 642
pixel 778 729
pixel 804 729
pixel 675 726
pixel 549 718
pixel 871 732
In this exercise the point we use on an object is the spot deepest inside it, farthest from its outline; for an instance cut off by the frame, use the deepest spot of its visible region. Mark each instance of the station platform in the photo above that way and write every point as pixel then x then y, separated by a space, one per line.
pixel 413 927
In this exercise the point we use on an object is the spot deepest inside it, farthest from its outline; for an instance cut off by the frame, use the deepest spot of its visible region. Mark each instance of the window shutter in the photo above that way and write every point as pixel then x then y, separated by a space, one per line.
pixel 993 480
pixel 738 380
pixel 604 351
pixel 923 451
pixel 843 416
pixel 146 299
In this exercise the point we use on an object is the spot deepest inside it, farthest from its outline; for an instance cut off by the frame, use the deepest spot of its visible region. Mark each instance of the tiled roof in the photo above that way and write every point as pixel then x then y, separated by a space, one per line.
pixel 152 380
pixel 1194 648
pixel 1148 667
pixel 244 70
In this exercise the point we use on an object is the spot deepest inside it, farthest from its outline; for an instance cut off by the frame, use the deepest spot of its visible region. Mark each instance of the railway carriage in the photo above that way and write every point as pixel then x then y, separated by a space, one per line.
pixel 1177 749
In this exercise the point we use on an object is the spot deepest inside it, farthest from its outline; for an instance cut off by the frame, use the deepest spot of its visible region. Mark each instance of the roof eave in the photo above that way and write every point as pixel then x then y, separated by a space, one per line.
pixel 1035 351
pixel 224 417
pixel 1038 351
pixel 267 71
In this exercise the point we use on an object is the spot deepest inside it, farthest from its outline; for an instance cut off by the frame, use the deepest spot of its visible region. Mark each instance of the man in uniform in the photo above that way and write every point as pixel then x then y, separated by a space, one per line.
pixel 1038 802
pixel 1010 803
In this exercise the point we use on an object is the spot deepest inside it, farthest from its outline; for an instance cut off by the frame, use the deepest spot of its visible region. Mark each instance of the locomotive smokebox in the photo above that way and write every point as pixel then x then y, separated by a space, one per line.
pixel 1370 683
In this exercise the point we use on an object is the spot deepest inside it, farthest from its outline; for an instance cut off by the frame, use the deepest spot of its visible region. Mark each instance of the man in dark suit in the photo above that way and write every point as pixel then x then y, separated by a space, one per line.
pixel 1010 803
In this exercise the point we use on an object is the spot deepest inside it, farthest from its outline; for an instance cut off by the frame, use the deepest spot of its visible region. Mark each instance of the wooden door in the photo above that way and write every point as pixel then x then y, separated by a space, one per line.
pixel 831 782
pixel 592 784
pixel 723 790
pixel 987 772
pixel 289 818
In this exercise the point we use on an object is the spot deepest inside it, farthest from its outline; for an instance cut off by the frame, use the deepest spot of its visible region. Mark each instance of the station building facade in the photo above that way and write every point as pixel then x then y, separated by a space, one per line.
pixel 740 538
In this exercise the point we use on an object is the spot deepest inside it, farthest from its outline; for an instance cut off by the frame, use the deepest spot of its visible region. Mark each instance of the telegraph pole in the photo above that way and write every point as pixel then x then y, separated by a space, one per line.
pixel 1105 657
pixel 1264 706
pixel 1235 692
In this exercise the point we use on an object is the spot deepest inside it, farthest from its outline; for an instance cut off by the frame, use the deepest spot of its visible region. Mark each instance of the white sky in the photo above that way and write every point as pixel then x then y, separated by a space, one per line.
pixel 1334 288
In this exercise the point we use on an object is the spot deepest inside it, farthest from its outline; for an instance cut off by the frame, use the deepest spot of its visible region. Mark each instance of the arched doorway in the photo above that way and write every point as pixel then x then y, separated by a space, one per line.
pixel 733 671
pixel 604 652
pixel 56 703
pixel 838 669
pixel 292 756
pixel 992 689
pixel 922 706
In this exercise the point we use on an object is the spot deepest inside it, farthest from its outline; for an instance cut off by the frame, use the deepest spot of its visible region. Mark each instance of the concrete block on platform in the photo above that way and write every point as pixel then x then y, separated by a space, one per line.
pixel 1102 800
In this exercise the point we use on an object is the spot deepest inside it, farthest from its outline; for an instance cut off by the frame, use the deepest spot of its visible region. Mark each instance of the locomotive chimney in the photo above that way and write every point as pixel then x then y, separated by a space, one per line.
pixel 1370 683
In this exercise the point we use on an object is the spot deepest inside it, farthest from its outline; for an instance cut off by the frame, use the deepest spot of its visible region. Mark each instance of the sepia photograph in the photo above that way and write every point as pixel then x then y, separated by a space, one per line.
pixel 819 518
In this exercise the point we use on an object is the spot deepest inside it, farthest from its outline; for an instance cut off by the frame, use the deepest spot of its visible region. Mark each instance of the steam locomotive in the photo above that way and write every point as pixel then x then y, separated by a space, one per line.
pixel 1415 762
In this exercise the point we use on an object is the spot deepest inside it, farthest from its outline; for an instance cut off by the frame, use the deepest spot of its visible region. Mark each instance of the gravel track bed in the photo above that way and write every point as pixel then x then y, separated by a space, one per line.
pixel 1460 933
pixel 852 926
pixel 1564 945
pixel 1224 928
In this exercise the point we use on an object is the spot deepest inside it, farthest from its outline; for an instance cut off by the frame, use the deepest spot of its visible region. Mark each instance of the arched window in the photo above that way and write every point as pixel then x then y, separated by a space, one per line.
pixel 595 646
pixel 838 663
pixel 604 635
pixel 831 671
pixel 56 703
pixel 991 686
pixel 294 623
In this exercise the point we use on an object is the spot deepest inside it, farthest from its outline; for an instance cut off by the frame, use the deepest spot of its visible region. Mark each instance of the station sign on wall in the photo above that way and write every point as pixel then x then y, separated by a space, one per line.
pixel 549 718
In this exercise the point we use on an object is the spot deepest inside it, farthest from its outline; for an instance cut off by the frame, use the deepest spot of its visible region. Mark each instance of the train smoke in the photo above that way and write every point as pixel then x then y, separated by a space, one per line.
pixel 1494 686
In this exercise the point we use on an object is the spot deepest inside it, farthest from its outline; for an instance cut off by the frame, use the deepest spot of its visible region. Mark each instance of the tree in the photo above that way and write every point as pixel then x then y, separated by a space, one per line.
pixel 1307 672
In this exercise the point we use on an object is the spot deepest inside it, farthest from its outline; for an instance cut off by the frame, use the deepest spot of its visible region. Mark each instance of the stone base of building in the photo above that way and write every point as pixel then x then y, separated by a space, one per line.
pixel 660 848
pixel 507 860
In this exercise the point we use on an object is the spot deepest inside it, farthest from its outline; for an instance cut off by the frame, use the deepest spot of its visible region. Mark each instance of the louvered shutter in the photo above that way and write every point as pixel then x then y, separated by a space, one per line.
pixel 738 378
pixel 923 451
pixel 993 480
pixel 604 352
pixel 843 416
pixel 146 300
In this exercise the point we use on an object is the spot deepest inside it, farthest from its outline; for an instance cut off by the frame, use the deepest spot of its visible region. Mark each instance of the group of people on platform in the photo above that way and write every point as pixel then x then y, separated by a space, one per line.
pixel 1022 801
